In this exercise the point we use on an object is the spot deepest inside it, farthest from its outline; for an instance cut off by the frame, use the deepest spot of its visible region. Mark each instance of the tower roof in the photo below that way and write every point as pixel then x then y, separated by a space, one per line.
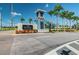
pixel 40 10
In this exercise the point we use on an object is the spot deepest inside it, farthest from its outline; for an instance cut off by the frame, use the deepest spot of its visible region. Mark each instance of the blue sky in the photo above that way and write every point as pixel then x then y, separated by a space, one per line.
pixel 28 10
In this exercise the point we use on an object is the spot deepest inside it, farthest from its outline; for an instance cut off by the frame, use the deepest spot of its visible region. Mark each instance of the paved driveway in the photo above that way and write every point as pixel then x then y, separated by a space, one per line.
pixel 34 43
pixel 5 44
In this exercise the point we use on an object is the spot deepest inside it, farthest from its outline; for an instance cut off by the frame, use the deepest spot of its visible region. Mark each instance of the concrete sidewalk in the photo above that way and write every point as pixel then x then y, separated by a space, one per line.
pixel 7 32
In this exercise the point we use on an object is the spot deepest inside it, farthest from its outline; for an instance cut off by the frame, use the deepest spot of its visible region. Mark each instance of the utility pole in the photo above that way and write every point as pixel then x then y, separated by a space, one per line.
pixel 11 15
pixel 1 18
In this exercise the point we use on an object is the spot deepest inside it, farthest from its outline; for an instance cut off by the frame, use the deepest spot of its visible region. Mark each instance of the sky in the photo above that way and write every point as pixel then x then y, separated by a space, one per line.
pixel 27 10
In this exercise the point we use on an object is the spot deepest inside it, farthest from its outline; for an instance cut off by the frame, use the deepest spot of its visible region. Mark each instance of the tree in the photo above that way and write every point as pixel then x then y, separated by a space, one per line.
pixel 50 13
pixel 70 17
pixel 22 19
pixel 58 7
pixel 63 16
pixel 75 19
pixel 30 20
pixel 47 24
pixel 57 10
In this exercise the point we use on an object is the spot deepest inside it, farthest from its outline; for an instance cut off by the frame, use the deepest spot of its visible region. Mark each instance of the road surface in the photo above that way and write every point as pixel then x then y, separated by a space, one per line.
pixel 33 43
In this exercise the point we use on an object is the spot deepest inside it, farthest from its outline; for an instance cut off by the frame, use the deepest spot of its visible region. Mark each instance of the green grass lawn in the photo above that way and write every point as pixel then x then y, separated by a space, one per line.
pixel 6 29
pixel 64 30
pixel 52 30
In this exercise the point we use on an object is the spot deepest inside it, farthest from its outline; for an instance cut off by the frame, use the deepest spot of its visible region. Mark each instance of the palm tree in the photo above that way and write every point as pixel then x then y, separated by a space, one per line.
pixel 22 19
pixel 77 22
pixel 53 12
pixel 48 23
pixel 66 15
pixel 58 7
pixel 57 10
pixel 63 16
pixel 30 20
pixel 50 13
pixel 70 17
pixel 76 18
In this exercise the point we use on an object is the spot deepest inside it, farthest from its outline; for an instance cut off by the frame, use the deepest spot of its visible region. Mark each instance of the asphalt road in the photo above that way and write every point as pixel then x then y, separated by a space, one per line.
pixel 33 43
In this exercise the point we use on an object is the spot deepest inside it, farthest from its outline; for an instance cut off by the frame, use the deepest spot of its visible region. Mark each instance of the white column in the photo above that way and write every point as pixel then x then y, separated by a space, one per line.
pixel 39 14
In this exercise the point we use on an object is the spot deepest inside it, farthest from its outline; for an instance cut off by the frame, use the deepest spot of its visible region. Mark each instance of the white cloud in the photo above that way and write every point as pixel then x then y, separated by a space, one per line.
pixel 0 8
pixel 47 5
pixel 15 14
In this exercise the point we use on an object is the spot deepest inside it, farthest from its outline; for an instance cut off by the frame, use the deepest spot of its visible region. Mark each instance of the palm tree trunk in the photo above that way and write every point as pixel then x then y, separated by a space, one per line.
pixel 76 25
pixel 51 24
pixel 70 24
pixel 66 24
pixel 73 24
pixel 57 24
pixel 9 24
pixel 62 24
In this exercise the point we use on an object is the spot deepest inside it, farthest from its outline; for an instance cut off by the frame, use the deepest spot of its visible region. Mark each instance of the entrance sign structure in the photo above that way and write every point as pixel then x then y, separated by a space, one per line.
pixel 40 20
pixel 33 28
pixel 26 28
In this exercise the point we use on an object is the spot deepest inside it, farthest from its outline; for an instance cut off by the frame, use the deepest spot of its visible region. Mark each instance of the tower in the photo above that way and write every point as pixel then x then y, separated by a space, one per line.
pixel 40 18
